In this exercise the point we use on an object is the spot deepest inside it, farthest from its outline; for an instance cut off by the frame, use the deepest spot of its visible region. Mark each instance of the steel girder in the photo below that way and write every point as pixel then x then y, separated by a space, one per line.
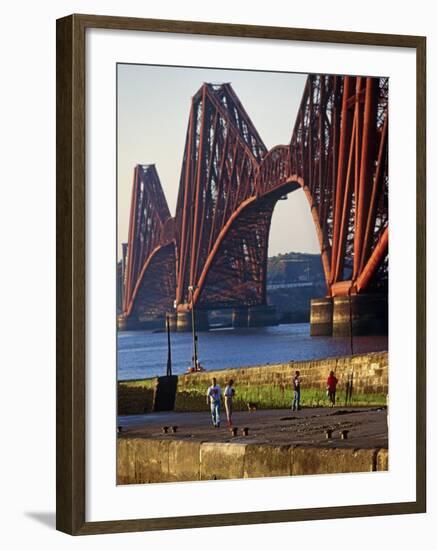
pixel 155 289
pixel 221 159
pixel 229 186
pixel 338 153
pixel 151 229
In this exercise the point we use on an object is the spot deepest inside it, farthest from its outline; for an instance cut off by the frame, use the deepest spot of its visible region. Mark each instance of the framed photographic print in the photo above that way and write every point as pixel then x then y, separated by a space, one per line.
pixel 235 343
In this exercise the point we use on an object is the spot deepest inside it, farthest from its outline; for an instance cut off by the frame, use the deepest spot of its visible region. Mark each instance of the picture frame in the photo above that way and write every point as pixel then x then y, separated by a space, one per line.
pixel 71 300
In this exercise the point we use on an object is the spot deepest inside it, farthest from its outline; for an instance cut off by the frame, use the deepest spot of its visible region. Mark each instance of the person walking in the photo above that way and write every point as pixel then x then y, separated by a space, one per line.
pixel 296 388
pixel 229 394
pixel 213 396
pixel 331 387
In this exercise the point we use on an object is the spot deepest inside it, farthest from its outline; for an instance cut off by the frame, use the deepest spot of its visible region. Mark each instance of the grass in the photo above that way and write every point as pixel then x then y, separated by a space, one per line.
pixel 273 397
pixel 136 397
pixel 148 383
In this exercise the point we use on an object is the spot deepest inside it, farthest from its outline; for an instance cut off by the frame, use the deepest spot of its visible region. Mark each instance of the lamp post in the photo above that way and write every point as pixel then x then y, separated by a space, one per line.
pixel 191 290
pixel 169 366
pixel 351 324
pixel 350 378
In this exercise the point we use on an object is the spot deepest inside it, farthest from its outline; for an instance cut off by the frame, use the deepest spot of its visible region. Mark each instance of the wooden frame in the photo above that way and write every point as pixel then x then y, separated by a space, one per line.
pixel 70 205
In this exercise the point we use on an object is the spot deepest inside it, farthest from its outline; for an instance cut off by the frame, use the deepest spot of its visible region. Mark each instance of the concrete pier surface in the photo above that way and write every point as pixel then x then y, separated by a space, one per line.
pixel 367 427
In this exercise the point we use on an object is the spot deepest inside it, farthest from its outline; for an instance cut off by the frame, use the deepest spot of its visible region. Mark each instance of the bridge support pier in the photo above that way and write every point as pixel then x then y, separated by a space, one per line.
pixel 240 317
pixel 321 317
pixel 184 321
pixel 364 313
pixel 261 316
pixel 173 321
pixel 122 323
pixel 133 323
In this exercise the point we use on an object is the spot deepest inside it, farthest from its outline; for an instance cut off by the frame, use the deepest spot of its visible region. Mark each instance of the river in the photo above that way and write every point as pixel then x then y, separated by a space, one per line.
pixel 143 354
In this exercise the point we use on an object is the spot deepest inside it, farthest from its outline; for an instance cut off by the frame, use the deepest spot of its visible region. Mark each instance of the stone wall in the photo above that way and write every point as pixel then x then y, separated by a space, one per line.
pixel 370 373
pixel 269 385
pixel 135 396
pixel 157 461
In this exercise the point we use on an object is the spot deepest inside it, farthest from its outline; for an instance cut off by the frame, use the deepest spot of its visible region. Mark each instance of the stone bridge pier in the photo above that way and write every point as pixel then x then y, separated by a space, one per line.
pixel 359 314
pixel 184 320
pixel 254 316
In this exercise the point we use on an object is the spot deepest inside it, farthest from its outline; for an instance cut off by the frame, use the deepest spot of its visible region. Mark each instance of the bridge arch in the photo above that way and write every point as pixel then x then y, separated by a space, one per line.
pixel 235 272
pixel 229 185
pixel 155 287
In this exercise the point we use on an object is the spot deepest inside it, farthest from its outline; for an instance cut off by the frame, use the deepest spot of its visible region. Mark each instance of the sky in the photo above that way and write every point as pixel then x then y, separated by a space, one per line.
pixel 153 109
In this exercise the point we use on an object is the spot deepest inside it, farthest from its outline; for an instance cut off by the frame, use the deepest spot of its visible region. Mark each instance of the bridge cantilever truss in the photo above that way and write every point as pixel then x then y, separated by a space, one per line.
pixel 229 185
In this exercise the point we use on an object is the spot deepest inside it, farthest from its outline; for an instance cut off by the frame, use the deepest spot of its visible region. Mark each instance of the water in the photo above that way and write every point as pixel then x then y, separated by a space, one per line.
pixel 143 354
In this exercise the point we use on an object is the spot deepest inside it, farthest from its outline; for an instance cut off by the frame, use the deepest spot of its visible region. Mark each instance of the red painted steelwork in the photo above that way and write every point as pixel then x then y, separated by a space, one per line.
pixel 379 253
pixel 221 159
pixel 230 184
pixel 148 229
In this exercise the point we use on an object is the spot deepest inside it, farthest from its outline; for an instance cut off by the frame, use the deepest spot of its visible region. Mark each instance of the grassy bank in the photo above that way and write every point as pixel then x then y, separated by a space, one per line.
pixel 269 386
pixel 273 397
pixel 136 397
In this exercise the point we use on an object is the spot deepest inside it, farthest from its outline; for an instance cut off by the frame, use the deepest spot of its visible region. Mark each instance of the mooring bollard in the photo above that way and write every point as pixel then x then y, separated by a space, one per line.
pixel 234 432
pixel 344 434
pixel 245 431
pixel 328 433
pixel 174 429
pixel 165 429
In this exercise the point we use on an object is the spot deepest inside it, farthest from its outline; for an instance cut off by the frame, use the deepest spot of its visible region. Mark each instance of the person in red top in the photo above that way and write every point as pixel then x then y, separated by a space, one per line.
pixel 331 386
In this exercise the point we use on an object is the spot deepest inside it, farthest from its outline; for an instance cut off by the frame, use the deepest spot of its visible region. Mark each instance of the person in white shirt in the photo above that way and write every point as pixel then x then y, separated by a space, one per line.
pixel 213 396
pixel 229 394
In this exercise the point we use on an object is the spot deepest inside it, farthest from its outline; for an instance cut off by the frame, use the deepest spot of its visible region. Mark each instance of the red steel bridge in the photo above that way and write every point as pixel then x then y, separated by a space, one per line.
pixel 213 253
